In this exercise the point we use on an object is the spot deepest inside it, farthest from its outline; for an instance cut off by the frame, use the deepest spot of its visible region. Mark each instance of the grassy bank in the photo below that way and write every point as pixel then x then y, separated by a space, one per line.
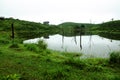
pixel 32 62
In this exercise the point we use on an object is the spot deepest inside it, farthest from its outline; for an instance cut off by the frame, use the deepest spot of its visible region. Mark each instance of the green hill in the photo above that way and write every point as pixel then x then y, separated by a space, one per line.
pixel 68 27
pixel 113 26
pixel 27 29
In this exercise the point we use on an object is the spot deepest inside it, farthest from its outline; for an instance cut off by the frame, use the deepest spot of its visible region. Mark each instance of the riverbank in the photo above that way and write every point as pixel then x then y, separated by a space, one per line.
pixel 24 62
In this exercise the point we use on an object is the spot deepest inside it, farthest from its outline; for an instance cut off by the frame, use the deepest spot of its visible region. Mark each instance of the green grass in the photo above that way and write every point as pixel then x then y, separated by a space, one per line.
pixel 24 64
pixel 35 62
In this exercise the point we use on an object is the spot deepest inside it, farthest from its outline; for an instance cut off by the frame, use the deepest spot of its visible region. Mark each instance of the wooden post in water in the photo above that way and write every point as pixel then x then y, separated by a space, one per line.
pixel 81 39
pixel 62 37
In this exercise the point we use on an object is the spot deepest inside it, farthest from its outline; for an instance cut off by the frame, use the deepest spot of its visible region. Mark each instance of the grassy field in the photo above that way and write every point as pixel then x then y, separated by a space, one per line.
pixel 34 62
pixel 20 61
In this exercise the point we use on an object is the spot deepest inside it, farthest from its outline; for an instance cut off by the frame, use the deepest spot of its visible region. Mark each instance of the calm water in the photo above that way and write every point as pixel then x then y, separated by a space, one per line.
pixel 90 46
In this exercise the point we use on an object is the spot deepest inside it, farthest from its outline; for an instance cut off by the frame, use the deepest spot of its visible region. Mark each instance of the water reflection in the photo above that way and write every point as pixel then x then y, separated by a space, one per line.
pixel 89 45
pixel 111 36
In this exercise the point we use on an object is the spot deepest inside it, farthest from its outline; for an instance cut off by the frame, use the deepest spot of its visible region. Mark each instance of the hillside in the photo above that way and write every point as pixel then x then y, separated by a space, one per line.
pixel 27 29
pixel 68 27
pixel 70 24
pixel 113 26
pixel 109 26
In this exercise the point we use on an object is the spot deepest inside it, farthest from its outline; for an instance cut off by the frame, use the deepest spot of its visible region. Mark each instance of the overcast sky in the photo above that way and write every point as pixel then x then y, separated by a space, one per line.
pixel 58 11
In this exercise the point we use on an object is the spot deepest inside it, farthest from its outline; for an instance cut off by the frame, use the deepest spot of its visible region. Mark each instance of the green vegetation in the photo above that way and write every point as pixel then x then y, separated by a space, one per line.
pixel 26 29
pixel 109 29
pixel 67 28
pixel 20 61
pixel 115 58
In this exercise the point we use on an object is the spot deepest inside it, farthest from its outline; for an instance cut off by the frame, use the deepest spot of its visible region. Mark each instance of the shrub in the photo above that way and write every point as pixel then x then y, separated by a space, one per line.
pixel 31 47
pixel 42 45
pixel 115 57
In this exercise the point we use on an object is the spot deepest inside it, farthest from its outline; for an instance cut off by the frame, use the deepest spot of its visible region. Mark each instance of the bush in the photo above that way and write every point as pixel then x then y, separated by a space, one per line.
pixel 115 57
pixel 36 47
pixel 42 45
pixel 31 47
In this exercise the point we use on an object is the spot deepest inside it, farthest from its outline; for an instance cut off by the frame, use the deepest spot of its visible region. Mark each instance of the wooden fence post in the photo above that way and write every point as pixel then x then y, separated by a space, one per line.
pixel 12 30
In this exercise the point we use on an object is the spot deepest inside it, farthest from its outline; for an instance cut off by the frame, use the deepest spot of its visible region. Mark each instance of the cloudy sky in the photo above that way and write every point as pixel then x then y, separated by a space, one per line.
pixel 58 11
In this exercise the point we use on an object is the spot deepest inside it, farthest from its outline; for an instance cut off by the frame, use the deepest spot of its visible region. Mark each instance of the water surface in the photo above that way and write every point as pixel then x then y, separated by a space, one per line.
pixel 89 45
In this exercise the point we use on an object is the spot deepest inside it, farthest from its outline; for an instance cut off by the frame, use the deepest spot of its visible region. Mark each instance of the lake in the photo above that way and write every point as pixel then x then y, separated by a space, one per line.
pixel 89 45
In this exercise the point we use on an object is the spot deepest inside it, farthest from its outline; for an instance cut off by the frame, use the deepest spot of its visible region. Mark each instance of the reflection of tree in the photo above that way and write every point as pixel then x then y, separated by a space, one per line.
pixel 80 41
pixel 112 36
pixel 62 37
pixel 75 40
pixel 90 40
pixel 79 30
